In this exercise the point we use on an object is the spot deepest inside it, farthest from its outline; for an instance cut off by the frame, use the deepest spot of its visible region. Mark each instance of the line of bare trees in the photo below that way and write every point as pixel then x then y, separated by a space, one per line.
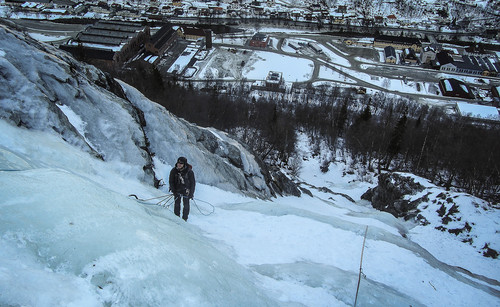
pixel 395 134
pixel 377 131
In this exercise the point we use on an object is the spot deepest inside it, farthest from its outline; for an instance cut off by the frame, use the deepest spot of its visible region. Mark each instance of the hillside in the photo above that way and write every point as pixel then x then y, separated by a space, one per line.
pixel 72 152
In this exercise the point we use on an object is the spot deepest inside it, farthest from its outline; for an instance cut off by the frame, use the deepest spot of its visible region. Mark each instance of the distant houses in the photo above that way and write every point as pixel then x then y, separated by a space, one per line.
pixel 472 60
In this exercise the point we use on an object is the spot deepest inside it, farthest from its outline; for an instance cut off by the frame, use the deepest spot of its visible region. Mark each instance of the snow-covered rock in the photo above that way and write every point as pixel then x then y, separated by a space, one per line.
pixel 45 89
pixel 463 217
pixel 389 195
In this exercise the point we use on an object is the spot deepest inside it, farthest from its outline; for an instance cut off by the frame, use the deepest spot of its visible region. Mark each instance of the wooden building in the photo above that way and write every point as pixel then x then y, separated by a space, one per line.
pixel 397 42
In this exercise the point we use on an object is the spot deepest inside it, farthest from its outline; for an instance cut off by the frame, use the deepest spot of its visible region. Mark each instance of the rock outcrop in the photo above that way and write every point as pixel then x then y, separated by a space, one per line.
pixel 389 195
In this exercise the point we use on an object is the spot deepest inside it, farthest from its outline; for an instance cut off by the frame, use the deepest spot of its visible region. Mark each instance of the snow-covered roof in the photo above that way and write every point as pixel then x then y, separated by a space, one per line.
pixel 478 111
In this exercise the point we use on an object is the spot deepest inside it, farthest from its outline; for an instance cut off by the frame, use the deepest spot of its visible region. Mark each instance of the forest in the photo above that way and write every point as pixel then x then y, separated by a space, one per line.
pixel 378 132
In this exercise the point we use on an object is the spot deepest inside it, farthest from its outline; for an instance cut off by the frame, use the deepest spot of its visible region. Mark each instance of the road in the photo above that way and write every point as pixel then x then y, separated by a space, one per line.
pixel 313 25
pixel 417 74
pixel 374 68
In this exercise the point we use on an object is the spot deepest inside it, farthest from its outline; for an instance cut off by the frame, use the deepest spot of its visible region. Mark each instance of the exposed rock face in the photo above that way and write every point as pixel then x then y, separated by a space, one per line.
pixel 390 193
pixel 283 185
pixel 45 89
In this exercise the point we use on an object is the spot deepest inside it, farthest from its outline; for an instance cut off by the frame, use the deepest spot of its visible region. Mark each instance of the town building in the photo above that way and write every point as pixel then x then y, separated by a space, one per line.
pixel 390 55
pixel 259 40
pixel 455 88
pixel 410 57
pixel 361 42
pixel 442 58
pixel 195 34
pixel 274 79
pixel 108 42
pixel 397 42
pixel 315 47
pixel 294 45
pixel 428 53
pixel 161 40
pixel 467 64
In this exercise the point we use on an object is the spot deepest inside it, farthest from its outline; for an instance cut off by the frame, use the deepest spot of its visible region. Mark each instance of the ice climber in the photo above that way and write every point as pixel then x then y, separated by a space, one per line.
pixel 182 184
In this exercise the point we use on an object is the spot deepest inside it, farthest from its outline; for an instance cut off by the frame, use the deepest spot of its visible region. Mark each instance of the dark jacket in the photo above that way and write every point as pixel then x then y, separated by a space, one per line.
pixel 182 181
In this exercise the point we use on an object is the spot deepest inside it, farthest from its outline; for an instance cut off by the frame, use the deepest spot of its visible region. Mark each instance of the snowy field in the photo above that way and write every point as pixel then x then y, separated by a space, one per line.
pixel 293 69
pixel 235 64
pixel 254 65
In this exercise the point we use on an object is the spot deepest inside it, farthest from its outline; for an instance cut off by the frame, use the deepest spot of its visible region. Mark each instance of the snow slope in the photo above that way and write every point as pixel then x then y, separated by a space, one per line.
pixel 71 235
pixel 70 238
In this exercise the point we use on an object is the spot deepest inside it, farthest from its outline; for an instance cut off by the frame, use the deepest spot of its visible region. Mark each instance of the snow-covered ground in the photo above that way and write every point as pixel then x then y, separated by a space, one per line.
pixel 71 235
pixel 235 64
pixel 253 65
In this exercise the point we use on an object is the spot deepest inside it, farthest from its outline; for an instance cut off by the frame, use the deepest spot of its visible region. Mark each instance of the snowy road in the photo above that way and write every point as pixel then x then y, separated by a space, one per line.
pixel 355 72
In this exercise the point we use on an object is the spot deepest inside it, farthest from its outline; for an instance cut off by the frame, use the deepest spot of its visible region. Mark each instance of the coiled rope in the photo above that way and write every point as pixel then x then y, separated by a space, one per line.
pixel 164 200
pixel 167 200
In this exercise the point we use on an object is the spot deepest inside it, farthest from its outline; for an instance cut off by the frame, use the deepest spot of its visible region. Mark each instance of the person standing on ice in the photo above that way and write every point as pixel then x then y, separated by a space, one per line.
pixel 182 183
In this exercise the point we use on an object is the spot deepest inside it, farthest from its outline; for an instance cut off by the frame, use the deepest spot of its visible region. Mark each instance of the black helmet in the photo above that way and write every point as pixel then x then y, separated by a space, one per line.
pixel 182 160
